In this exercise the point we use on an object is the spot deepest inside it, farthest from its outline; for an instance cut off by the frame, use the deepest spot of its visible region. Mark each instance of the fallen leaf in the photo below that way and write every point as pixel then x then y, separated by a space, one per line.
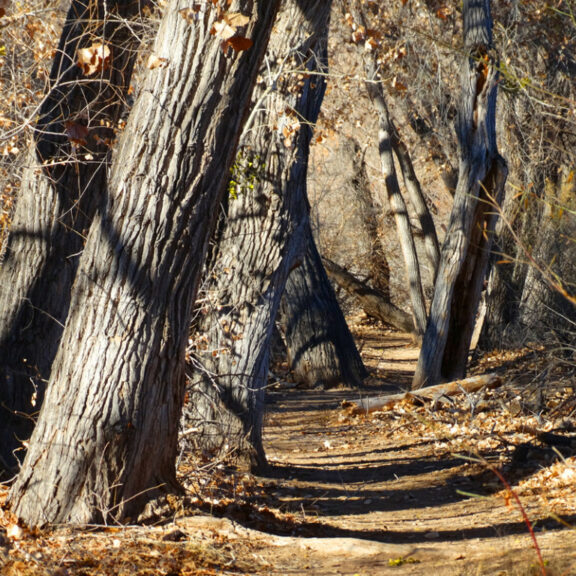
pixel 77 133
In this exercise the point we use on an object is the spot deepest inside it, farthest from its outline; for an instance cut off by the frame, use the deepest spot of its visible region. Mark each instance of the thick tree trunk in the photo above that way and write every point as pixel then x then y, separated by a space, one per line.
pixel 262 238
pixel 371 301
pixel 321 349
pixel 481 178
pixel 60 192
pixel 106 439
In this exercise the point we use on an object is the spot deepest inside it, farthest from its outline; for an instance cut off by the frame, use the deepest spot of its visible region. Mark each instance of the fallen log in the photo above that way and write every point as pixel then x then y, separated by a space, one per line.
pixel 371 301
pixel 468 385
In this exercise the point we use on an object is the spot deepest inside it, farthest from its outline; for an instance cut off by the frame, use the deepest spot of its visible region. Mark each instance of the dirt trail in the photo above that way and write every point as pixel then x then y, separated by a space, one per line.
pixel 352 495
pixel 376 500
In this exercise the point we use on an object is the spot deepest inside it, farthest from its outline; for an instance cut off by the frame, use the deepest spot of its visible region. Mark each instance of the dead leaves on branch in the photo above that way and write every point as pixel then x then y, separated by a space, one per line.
pixel 229 26
pixel 94 59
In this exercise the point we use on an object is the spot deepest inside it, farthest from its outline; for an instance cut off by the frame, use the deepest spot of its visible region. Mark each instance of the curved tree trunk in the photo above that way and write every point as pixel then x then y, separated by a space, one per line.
pixel 106 439
pixel 321 349
pixel 263 236
pixel 481 179
pixel 61 189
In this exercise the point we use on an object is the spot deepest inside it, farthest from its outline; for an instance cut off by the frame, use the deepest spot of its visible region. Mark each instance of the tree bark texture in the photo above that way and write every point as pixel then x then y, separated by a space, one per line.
pixel 482 174
pixel 62 187
pixel 396 200
pixel 262 238
pixel 379 266
pixel 321 348
pixel 371 301
pixel 106 439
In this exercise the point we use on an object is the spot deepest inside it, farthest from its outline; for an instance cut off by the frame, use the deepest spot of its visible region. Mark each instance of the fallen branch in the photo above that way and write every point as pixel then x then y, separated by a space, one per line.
pixel 372 302
pixel 468 385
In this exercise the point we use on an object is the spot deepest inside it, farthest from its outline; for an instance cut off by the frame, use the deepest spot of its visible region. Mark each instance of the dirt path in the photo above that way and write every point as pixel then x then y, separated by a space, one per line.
pixel 381 495
pixel 387 493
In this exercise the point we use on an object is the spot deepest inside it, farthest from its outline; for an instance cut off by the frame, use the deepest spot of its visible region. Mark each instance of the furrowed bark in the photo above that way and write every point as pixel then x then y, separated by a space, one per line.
pixel 106 440
pixel 263 236
pixel 482 174
pixel 62 186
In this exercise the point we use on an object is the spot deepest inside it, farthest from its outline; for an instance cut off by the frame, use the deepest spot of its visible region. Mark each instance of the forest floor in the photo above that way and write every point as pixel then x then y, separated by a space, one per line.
pixel 407 490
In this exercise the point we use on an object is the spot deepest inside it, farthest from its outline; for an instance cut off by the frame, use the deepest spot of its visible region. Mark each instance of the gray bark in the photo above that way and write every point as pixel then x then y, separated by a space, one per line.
pixel 321 348
pixel 482 173
pixel 61 189
pixel 262 239
pixel 106 440
pixel 386 132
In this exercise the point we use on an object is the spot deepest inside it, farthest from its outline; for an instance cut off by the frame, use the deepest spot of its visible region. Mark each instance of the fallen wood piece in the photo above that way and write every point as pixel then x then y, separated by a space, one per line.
pixel 468 385
pixel 372 302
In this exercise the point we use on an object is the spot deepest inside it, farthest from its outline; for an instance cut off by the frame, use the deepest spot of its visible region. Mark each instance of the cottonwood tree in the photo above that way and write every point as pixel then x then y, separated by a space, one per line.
pixel 390 145
pixel 106 439
pixel 534 256
pixel 264 236
pixel 321 349
pixel 62 186
pixel 481 178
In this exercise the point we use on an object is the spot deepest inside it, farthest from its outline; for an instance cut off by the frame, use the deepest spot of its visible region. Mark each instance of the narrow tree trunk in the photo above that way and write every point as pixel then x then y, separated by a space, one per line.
pixel 379 266
pixel 417 200
pixel 321 349
pixel 482 174
pixel 396 200
pixel 62 187
pixel 106 439
pixel 263 236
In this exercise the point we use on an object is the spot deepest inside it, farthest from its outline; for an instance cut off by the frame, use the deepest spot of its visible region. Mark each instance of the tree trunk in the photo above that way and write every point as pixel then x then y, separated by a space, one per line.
pixel 321 349
pixel 372 302
pixel 397 203
pixel 482 173
pixel 417 200
pixel 60 192
pixel 262 238
pixel 106 439
pixel 379 266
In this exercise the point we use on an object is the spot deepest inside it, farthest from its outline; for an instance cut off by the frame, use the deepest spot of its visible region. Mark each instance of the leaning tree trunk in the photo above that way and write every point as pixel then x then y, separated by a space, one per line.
pixel 321 349
pixel 263 236
pixel 106 439
pixel 386 134
pixel 61 189
pixel 482 174
pixel 371 301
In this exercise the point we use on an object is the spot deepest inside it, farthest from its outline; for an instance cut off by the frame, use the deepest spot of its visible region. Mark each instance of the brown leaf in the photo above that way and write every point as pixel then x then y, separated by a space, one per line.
pixel 156 62
pixel 94 59
pixel 227 26
pixel 239 43
pixel 190 14
pixel 77 133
